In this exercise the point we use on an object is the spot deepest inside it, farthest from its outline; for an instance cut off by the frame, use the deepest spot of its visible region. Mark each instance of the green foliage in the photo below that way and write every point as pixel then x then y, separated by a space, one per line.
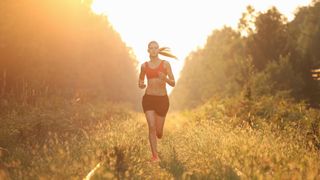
pixel 206 71
pixel 269 39
pixel 265 55
pixel 246 22
pixel 58 138
pixel 279 114
pixel 264 138
pixel 276 78
pixel 304 40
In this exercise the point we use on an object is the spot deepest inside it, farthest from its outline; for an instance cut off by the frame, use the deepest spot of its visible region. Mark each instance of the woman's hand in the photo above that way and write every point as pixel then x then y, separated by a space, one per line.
pixel 162 76
pixel 141 85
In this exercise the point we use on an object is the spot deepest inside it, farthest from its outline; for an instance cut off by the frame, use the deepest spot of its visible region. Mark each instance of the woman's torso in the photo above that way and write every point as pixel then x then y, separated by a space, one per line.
pixel 155 86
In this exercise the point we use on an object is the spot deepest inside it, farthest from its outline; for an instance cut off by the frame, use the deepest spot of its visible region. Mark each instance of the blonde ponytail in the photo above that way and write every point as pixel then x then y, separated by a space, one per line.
pixel 165 51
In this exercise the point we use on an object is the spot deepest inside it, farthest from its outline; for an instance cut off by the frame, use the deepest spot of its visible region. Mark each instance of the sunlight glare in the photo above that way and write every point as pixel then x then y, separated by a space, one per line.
pixel 181 25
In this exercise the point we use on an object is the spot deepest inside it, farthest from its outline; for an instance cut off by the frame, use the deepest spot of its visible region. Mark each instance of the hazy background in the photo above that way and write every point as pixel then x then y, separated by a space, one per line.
pixel 181 25
pixel 245 106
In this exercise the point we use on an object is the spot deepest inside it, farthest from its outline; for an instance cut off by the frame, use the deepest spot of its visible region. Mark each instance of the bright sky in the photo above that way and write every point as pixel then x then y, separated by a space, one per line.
pixel 182 25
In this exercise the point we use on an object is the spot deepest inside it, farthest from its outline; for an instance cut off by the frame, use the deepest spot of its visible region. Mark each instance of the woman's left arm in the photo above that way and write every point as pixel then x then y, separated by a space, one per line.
pixel 169 80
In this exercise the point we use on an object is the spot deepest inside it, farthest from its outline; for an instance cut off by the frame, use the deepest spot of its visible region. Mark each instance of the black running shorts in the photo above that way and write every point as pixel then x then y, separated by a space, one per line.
pixel 160 104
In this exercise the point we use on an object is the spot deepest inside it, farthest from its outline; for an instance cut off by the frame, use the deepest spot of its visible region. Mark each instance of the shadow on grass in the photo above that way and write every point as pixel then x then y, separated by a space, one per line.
pixel 173 165
pixel 219 170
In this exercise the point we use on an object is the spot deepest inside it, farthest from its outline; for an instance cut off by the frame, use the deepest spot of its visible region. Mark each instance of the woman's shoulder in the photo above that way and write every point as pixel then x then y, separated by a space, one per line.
pixel 166 63
pixel 144 64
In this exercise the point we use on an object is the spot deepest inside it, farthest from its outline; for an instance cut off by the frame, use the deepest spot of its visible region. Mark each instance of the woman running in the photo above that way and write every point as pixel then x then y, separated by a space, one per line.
pixel 155 102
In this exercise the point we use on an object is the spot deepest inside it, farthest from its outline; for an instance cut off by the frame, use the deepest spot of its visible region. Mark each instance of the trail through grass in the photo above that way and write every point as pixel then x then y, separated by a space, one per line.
pixel 208 150
pixel 199 144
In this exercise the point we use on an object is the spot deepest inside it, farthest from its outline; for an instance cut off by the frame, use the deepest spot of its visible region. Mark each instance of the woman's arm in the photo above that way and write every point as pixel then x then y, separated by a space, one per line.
pixel 141 77
pixel 169 80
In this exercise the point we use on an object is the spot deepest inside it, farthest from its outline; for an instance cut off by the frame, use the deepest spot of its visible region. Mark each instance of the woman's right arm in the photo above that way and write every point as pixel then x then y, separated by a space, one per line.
pixel 141 77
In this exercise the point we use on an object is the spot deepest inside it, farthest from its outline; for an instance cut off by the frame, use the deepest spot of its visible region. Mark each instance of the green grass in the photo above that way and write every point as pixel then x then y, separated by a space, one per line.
pixel 214 141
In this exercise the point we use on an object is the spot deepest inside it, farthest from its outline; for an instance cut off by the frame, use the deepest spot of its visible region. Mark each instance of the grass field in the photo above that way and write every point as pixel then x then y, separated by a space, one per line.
pixel 65 140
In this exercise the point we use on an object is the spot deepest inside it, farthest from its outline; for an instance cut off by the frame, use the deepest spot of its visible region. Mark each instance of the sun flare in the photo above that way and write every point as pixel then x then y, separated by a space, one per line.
pixel 181 25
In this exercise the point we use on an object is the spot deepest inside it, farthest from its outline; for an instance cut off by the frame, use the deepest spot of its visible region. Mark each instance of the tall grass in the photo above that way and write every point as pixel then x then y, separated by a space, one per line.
pixel 222 139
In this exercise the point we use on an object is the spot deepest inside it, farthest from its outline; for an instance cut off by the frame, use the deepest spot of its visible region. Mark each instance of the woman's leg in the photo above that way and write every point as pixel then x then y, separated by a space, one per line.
pixel 159 125
pixel 151 118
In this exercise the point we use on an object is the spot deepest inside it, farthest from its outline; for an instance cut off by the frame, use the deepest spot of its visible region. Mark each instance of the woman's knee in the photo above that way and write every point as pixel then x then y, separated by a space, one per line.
pixel 159 135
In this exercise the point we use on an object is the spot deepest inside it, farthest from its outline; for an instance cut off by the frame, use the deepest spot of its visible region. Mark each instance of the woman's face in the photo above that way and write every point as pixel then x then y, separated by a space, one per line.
pixel 153 49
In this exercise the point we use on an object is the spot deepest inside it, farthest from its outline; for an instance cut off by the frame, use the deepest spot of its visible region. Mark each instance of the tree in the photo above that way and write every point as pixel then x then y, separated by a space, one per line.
pixel 208 72
pixel 61 47
pixel 269 39
pixel 304 41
